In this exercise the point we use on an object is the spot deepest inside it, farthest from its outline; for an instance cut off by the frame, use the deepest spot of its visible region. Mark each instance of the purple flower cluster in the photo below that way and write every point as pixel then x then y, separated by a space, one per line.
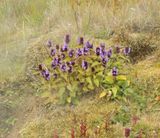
pixel 103 53
pixel 61 55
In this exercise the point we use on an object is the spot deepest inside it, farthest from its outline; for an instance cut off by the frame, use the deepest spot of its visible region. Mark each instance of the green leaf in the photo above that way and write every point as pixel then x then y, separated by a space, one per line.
pixel 100 73
pixel 129 90
pixel 80 71
pixel 89 80
pixel 91 87
pixel 96 82
pixel 102 94
pixel 85 89
pixel 75 101
pixel 114 90
pixel 62 91
pixel 73 93
pixel 121 77
pixel 109 80
pixel 69 99
pixel 95 64
pixel 48 61
pixel 69 87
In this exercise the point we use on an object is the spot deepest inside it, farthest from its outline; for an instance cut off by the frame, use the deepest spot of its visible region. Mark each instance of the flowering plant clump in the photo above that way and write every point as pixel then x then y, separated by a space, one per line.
pixel 74 71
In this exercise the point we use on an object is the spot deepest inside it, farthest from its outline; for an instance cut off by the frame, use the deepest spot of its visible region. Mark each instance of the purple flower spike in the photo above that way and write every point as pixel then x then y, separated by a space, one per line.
pixel 104 60
pixel 53 52
pixel 63 56
pixel 71 53
pixel 84 64
pixel 64 48
pixel 80 41
pixel 49 43
pixel 63 67
pixel 85 50
pixel 59 61
pixel 127 50
pixel 54 65
pixel 103 53
pixel 45 74
pixel 72 63
pixel 91 46
pixel 88 45
pixel 55 60
pixel 114 71
pixel 79 52
pixel 67 39
pixel 109 54
pixel 98 51
pixel 70 69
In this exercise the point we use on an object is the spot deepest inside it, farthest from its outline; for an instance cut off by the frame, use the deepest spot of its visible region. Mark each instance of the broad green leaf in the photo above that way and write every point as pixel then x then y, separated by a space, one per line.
pixel 69 99
pixel 109 80
pixel 73 93
pixel 70 87
pixel 65 76
pixel 102 94
pixel 114 90
pixel 91 87
pixel 128 82
pixel 95 64
pixel 121 77
pixel 61 91
pixel 129 90
pixel 75 101
pixel 48 61
pixel 100 68
pixel 100 73
pixel 89 80
pixel 81 71
pixel 96 82
pixel 85 89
